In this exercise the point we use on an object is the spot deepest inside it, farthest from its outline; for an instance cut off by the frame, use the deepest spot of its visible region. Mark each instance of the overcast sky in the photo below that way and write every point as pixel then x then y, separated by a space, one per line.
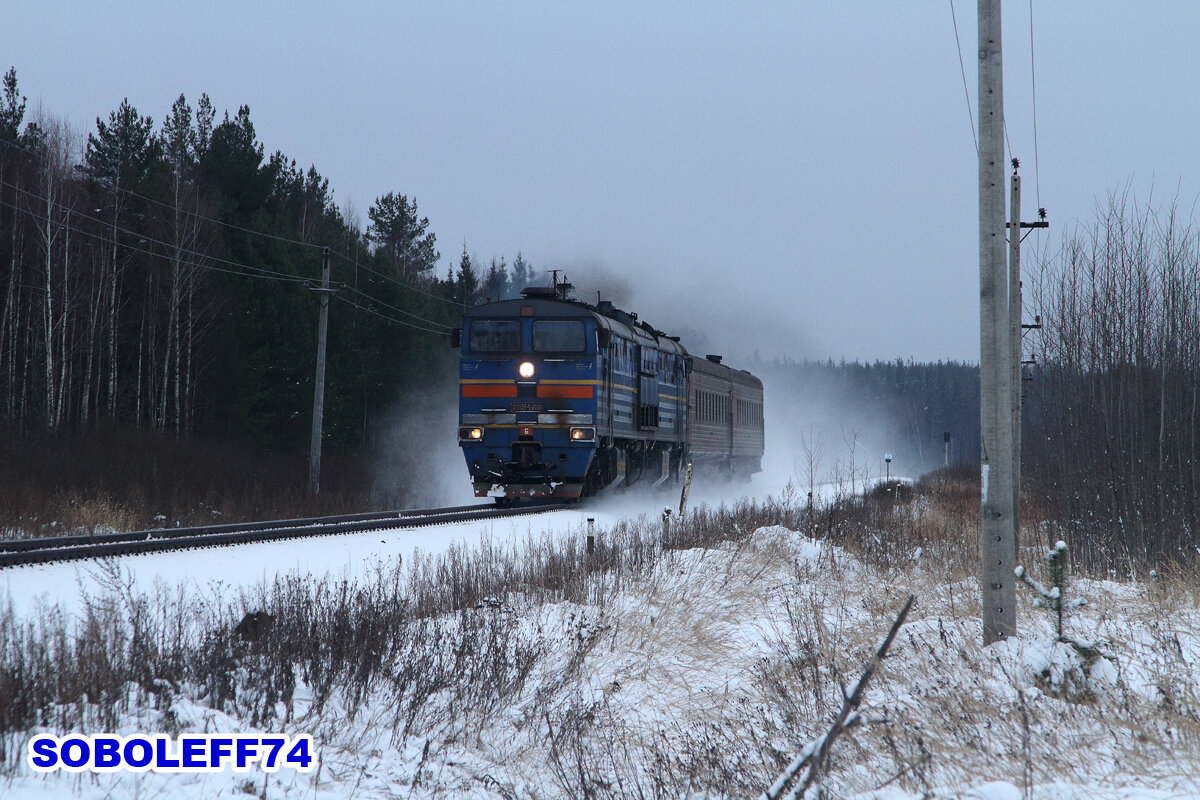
pixel 790 178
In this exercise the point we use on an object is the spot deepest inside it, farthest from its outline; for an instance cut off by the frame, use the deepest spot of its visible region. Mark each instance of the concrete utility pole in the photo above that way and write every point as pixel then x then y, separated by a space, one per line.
pixel 314 449
pixel 998 517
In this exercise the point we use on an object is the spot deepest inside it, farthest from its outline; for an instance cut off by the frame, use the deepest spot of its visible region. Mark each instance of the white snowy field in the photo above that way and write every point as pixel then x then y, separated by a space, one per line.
pixel 219 571
pixel 690 672
pixel 216 572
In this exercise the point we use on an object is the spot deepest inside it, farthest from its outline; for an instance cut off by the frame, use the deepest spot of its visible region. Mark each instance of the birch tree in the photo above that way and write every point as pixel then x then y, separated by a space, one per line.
pixel 52 207
pixel 119 158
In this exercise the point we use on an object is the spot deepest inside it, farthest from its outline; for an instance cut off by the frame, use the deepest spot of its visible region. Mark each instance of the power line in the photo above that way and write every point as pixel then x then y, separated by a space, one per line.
pixel 1037 178
pixel 195 214
pixel 250 231
pixel 248 271
pixel 252 272
pixel 963 68
pixel 353 304
pixel 143 237
pixel 391 279
pixel 357 291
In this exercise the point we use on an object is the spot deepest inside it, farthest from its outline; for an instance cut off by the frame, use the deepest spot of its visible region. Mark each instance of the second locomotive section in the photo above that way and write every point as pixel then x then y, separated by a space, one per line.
pixel 562 399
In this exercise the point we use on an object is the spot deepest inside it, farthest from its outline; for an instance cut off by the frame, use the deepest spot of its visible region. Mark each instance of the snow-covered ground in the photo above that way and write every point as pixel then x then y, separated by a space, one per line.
pixel 220 570
pixel 225 569
pixel 695 676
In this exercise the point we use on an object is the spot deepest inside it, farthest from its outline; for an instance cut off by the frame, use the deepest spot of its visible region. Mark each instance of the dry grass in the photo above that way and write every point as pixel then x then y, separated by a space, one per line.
pixel 129 479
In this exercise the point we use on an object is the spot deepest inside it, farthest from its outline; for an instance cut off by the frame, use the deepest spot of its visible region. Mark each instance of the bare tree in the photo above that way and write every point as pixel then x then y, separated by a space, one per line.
pixel 54 205
pixel 1115 397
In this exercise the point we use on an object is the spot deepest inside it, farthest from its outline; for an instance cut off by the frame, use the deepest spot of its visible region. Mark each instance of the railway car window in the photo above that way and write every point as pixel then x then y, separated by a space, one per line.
pixel 495 336
pixel 559 336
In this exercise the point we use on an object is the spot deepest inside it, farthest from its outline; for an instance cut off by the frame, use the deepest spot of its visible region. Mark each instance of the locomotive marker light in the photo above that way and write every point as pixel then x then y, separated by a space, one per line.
pixel 526 369
pixel 470 433
pixel 583 434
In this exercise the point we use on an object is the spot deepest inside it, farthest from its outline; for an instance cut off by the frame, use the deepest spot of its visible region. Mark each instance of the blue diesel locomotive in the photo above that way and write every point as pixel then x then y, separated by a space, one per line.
pixel 562 399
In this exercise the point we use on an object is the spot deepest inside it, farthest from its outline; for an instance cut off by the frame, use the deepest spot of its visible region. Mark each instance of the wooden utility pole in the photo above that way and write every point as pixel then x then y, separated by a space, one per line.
pixel 998 517
pixel 1014 327
pixel 314 449
pixel 1017 330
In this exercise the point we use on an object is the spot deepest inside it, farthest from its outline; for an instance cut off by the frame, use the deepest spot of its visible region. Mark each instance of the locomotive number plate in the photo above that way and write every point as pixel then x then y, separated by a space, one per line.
pixel 525 406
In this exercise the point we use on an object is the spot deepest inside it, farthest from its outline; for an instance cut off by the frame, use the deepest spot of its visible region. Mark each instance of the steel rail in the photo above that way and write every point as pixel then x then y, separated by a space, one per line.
pixel 42 543
pixel 69 548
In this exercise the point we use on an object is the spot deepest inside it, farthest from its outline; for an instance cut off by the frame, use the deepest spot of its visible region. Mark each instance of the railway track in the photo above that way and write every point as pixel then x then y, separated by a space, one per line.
pixel 101 545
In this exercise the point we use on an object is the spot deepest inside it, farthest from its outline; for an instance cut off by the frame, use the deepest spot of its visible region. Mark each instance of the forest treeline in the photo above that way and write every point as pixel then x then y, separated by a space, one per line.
pixel 158 277
pixel 159 274
pixel 907 408
pixel 1113 403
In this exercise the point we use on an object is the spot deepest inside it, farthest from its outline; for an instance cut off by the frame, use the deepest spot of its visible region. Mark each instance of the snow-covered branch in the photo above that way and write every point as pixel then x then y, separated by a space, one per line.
pixel 810 762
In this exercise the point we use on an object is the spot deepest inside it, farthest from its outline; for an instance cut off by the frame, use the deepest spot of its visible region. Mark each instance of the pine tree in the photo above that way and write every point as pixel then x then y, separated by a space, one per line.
pixel 522 275
pixel 179 141
pixel 119 159
pixel 232 163
pixel 12 112
pixel 495 284
pixel 178 138
pixel 468 280
pixel 401 237
pixel 1057 566
pixel 205 114
pixel 122 152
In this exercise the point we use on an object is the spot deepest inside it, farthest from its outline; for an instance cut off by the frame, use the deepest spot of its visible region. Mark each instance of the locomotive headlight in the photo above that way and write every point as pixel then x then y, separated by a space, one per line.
pixel 470 433
pixel 583 434
pixel 526 369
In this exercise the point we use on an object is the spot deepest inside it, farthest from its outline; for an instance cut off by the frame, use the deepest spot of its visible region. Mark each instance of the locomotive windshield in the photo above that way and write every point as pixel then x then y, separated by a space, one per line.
pixel 494 336
pixel 559 336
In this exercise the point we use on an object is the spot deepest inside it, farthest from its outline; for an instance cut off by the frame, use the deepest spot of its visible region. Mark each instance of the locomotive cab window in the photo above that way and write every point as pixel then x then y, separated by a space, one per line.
pixel 559 336
pixel 494 336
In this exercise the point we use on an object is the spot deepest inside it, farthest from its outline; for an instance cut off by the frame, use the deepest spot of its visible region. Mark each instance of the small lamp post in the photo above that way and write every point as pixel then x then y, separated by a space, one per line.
pixel 887 459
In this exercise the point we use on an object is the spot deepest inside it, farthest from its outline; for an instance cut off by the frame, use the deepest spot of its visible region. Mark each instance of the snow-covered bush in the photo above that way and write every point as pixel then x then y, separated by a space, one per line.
pixel 1066 667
